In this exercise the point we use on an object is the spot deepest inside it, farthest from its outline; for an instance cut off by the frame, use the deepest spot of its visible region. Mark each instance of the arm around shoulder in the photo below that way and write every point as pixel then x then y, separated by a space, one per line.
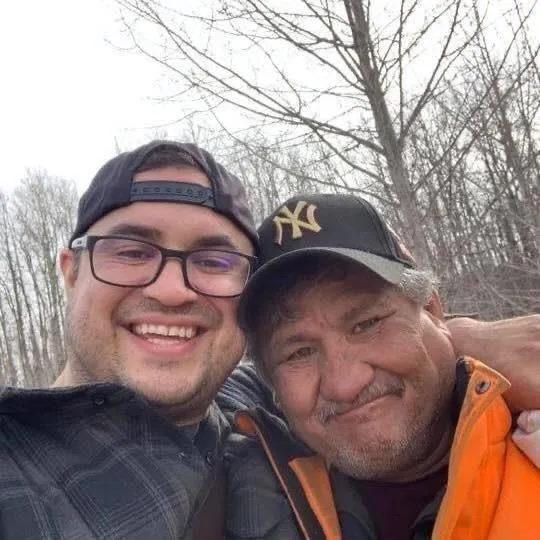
pixel 510 346
pixel 245 389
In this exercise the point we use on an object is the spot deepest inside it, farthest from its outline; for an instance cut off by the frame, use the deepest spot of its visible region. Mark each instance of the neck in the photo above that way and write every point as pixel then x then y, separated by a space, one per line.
pixel 436 459
pixel 66 378
pixel 179 418
pixel 178 414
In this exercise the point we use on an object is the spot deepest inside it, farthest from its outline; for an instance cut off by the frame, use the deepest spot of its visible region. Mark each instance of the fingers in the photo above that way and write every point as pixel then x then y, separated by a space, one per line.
pixel 527 435
pixel 529 421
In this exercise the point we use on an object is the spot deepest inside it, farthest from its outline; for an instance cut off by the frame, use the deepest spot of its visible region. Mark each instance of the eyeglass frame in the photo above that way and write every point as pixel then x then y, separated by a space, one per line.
pixel 88 243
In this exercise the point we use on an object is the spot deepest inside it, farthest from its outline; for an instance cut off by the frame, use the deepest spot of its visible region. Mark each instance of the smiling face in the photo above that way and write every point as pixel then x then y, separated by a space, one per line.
pixel 364 375
pixel 164 340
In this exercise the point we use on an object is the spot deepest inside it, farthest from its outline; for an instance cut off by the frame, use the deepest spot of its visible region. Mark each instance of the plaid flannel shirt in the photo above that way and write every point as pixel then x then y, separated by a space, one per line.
pixel 97 462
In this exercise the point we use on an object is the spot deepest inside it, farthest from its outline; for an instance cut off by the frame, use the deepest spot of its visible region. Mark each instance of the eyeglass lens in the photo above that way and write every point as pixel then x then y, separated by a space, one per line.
pixel 134 263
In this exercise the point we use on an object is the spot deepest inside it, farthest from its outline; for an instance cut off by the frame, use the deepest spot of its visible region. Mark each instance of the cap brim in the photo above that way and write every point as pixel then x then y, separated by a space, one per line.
pixel 389 270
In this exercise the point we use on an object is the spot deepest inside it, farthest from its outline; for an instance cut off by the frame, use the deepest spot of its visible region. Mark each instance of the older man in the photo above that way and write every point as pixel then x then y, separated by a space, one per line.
pixel 350 335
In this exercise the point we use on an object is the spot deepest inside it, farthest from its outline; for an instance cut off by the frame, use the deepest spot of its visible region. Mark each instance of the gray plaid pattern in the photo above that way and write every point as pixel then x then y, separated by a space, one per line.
pixel 257 508
pixel 96 462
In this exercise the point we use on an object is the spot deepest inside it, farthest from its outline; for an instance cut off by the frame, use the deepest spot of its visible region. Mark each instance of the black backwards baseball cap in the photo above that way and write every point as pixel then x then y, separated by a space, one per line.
pixel 113 188
pixel 345 226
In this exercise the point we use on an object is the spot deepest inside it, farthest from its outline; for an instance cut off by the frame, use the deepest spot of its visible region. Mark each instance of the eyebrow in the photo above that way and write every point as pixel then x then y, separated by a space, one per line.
pixel 140 231
pixel 299 337
pixel 216 241
pixel 291 339
pixel 154 235
pixel 363 308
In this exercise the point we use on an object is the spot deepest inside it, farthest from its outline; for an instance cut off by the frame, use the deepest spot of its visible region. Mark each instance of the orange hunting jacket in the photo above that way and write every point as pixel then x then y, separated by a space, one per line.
pixel 493 490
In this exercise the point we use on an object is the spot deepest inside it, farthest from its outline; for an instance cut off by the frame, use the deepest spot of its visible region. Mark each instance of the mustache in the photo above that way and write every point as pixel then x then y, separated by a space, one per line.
pixel 151 306
pixel 376 390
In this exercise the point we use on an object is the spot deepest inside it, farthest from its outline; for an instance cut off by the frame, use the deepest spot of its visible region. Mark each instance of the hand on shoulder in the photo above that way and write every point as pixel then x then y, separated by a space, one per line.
pixel 510 346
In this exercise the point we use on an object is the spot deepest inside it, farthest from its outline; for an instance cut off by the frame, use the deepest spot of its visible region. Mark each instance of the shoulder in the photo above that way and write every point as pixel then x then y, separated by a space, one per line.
pixel 245 389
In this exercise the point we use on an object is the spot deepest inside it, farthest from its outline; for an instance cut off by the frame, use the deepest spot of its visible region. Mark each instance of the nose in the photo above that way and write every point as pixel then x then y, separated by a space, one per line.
pixel 344 374
pixel 170 288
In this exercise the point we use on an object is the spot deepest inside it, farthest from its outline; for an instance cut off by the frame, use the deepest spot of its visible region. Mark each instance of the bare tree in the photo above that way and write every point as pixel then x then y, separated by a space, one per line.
pixel 347 84
pixel 34 222
pixel 429 108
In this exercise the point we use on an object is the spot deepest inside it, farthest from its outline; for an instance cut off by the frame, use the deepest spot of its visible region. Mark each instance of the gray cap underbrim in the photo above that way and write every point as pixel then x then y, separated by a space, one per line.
pixel 389 270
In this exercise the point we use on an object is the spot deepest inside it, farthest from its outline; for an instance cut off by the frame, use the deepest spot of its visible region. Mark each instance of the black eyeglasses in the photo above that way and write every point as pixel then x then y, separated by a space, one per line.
pixel 125 262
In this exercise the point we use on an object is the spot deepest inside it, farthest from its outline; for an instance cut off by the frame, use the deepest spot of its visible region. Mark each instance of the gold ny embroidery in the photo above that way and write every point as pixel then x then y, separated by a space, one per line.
pixel 286 217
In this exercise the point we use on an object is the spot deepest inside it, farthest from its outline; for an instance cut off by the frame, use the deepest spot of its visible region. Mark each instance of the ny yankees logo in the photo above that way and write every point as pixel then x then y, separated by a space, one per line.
pixel 286 217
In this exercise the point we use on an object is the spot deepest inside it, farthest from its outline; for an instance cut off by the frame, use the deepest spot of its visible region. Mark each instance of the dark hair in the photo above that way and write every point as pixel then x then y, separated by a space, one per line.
pixel 165 156
pixel 295 279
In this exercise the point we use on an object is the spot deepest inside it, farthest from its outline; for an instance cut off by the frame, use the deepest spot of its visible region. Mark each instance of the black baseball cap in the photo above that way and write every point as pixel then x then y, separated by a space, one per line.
pixel 345 226
pixel 113 188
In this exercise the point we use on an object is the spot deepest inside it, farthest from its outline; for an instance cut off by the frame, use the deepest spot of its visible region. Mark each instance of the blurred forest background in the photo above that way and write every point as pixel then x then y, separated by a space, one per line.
pixel 430 109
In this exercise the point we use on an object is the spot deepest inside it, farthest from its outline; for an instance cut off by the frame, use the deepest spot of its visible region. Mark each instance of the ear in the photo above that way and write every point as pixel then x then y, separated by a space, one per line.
pixel 434 306
pixel 68 267
pixel 435 311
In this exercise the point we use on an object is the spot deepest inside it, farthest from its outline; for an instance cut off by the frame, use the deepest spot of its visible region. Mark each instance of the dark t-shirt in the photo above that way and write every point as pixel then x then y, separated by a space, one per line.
pixel 394 508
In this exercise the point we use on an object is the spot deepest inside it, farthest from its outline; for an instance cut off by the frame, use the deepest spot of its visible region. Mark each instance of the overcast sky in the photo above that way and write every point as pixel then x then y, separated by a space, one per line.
pixel 66 93
pixel 68 96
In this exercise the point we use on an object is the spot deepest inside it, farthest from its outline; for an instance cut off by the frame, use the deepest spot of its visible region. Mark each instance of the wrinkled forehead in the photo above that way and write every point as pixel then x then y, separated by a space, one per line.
pixel 322 295
pixel 315 285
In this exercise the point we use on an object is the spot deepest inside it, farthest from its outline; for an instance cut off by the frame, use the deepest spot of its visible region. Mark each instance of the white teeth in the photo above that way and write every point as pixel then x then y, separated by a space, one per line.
pixel 142 329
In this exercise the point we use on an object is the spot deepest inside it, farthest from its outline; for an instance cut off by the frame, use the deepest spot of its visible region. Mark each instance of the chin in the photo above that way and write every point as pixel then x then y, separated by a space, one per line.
pixel 161 389
pixel 165 398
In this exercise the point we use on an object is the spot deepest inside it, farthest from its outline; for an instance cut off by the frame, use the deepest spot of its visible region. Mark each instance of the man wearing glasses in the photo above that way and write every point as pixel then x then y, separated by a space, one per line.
pixel 129 443
pixel 122 261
